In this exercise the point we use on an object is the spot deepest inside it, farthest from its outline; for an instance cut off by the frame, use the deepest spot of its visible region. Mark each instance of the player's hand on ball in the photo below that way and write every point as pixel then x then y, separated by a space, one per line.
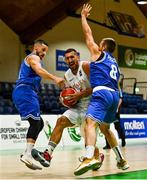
pixel 67 97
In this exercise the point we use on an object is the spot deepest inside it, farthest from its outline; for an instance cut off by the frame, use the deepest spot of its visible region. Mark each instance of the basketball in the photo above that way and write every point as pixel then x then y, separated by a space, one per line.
pixel 65 97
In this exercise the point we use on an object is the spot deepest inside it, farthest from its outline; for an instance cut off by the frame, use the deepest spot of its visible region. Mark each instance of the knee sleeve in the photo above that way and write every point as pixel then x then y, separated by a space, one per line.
pixel 35 128
pixel 41 124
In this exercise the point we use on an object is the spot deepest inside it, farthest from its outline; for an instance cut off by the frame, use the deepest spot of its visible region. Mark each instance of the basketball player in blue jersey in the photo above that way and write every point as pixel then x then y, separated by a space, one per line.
pixel 104 75
pixel 26 99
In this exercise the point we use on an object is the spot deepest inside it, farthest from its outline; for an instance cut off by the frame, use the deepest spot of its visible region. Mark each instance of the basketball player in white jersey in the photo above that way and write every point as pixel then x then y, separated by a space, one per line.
pixel 76 77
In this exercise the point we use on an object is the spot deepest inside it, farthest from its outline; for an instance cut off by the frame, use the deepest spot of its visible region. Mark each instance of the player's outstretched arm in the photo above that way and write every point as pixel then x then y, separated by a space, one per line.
pixel 92 46
pixel 34 62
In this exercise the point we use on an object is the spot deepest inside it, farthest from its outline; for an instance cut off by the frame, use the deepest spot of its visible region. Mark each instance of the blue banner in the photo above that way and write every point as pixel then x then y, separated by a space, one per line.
pixel 134 127
pixel 60 62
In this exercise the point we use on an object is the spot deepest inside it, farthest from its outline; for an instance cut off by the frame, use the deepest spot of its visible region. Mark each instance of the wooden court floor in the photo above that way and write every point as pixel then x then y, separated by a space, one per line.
pixel 66 160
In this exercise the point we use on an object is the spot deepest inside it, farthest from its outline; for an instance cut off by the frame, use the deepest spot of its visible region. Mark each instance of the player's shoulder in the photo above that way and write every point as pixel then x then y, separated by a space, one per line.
pixel 86 66
pixel 33 56
pixel 85 63
pixel 67 73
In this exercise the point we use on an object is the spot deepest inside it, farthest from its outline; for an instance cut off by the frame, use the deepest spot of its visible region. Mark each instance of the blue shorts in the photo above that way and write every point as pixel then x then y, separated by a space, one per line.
pixel 103 106
pixel 26 101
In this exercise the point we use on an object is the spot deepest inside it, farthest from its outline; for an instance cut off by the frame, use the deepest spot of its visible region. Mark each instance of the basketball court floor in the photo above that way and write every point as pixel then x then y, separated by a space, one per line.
pixel 65 160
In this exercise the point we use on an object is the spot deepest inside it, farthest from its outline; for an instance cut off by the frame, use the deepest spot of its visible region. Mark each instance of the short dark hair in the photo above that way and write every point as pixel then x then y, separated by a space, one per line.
pixel 70 50
pixel 110 44
pixel 40 41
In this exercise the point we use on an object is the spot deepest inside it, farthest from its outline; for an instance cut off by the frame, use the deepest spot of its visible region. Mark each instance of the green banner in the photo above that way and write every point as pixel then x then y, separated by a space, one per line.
pixel 132 57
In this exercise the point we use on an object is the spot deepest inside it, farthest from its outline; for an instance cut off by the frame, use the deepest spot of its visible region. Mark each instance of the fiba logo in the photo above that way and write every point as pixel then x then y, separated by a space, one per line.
pixel 61 58
pixel 129 57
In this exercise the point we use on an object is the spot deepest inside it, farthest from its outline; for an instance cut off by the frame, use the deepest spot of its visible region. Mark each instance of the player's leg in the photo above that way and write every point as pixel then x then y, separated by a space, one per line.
pixel 119 129
pixel 82 132
pixel 45 157
pixel 32 134
pixel 105 129
pixel 113 99
pixel 107 146
pixel 26 101
pixel 99 156
pixel 68 119
pixel 121 162
pixel 94 114
pixel 62 123
pixel 89 162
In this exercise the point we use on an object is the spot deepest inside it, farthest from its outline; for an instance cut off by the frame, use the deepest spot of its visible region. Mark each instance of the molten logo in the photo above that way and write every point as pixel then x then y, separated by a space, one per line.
pixel 134 125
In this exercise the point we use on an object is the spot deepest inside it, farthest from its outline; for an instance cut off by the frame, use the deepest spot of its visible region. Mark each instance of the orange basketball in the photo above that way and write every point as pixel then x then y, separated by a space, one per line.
pixel 65 97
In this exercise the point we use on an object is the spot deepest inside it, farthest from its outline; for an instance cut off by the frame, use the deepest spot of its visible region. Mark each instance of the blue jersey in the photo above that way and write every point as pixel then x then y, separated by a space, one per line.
pixel 28 76
pixel 105 72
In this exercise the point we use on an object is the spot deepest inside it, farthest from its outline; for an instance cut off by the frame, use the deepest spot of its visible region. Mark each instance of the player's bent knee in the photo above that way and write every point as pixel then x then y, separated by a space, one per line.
pixel 35 128
pixel 63 122
pixel 104 129
pixel 106 132
pixel 41 124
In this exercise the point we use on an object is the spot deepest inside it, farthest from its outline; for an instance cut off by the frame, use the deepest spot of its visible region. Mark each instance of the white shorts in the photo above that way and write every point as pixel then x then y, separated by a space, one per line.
pixel 75 115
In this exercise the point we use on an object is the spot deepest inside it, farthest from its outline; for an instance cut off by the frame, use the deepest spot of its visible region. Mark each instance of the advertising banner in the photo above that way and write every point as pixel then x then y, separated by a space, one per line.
pixel 135 126
pixel 60 62
pixel 129 57
pixel 13 133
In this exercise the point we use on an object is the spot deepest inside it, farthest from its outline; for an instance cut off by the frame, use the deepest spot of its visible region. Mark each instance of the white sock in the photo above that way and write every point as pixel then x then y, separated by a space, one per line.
pixel 29 149
pixel 89 151
pixel 51 147
pixel 118 153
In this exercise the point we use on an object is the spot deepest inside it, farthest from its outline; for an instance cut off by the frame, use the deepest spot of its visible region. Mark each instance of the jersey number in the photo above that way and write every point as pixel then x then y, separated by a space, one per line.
pixel 113 72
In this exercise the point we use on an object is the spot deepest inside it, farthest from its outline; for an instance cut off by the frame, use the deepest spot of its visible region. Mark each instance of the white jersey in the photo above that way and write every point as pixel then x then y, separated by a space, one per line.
pixel 79 82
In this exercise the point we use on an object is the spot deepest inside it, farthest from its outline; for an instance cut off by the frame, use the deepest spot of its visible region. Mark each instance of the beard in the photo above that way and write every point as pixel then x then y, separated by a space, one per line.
pixel 40 55
pixel 37 53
